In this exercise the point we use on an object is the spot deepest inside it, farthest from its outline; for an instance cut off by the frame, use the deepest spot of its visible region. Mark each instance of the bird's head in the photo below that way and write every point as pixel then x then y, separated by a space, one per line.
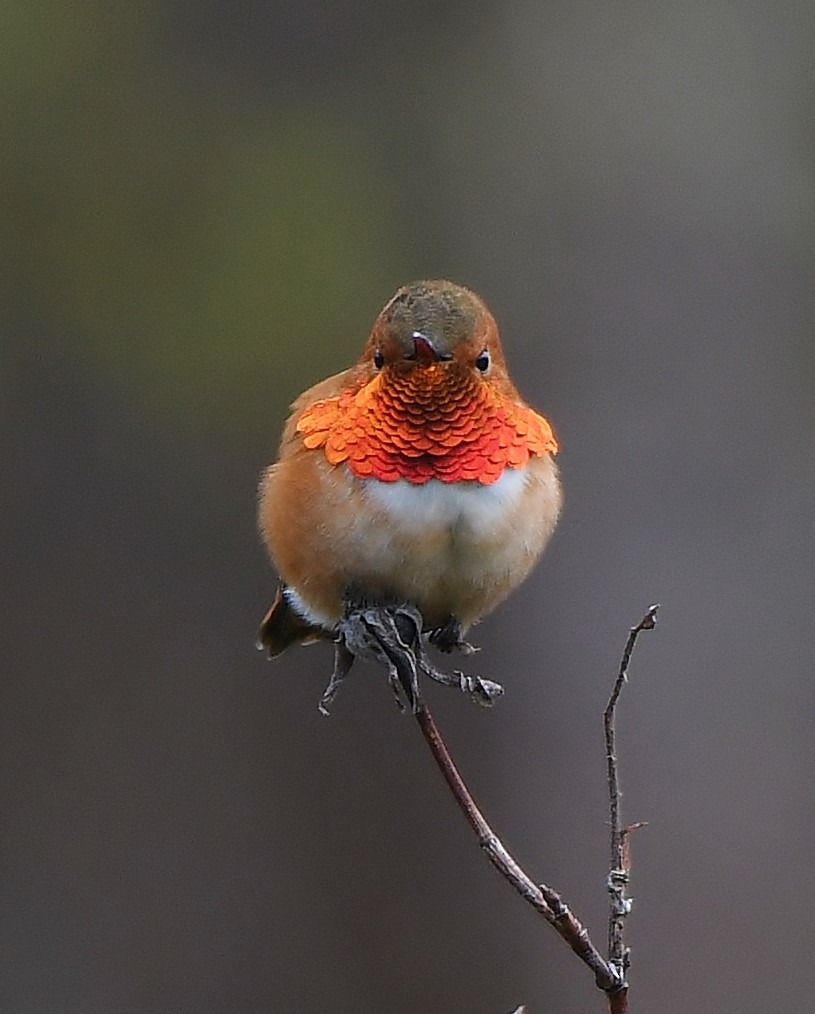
pixel 430 398
pixel 435 325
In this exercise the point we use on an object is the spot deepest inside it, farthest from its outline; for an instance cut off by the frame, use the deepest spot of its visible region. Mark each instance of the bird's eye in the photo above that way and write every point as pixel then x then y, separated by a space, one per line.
pixel 483 362
pixel 379 359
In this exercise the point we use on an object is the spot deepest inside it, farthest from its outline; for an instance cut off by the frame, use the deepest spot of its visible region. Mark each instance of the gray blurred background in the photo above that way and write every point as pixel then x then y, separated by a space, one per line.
pixel 204 207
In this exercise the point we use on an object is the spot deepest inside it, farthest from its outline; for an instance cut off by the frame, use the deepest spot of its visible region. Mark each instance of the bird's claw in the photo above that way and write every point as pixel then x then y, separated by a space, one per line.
pixel 449 637
pixel 392 636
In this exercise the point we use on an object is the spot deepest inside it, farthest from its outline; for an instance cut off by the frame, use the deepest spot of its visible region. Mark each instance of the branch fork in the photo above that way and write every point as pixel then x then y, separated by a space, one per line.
pixel 392 636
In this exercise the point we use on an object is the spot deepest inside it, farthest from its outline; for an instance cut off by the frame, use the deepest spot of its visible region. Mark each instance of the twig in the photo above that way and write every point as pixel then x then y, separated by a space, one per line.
pixel 543 899
pixel 619 904
pixel 391 635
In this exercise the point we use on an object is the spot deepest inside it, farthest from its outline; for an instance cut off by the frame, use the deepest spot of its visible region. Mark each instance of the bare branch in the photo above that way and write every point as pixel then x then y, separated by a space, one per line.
pixel 619 904
pixel 543 899
pixel 392 636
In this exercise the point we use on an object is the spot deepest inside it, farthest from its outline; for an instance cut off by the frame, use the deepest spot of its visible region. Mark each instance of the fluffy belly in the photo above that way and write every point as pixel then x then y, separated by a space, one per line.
pixel 457 548
pixel 451 549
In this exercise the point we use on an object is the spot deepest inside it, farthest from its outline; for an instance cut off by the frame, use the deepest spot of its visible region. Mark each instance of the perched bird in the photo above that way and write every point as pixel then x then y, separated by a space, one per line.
pixel 419 475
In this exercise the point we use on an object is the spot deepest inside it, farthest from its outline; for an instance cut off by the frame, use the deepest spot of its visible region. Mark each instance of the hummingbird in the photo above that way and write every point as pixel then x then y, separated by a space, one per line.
pixel 419 475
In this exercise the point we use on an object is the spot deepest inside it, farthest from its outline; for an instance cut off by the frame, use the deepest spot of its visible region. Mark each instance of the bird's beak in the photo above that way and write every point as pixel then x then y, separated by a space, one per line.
pixel 424 350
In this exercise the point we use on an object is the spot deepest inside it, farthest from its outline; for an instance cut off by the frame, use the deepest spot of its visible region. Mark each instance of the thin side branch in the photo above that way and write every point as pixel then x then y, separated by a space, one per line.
pixel 618 876
pixel 543 899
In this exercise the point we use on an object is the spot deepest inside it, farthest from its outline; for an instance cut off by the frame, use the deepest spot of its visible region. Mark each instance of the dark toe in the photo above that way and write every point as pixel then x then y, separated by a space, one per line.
pixel 448 636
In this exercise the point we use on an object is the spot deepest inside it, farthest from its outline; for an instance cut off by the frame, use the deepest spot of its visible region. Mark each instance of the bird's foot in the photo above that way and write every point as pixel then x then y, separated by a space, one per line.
pixel 392 636
pixel 449 637
pixel 388 636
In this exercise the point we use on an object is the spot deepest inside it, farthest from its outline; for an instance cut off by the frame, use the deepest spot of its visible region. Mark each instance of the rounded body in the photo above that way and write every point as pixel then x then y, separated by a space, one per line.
pixel 451 549
pixel 418 476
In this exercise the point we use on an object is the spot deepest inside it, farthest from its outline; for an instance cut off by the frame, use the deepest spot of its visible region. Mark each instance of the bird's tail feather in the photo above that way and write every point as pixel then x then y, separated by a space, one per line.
pixel 283 626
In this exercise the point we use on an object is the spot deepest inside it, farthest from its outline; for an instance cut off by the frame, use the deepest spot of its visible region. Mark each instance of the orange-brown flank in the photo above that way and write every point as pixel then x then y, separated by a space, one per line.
pixel 432 422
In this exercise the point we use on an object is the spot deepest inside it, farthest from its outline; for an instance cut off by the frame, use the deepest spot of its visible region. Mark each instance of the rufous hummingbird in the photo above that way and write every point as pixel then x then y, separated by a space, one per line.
pixel 419 475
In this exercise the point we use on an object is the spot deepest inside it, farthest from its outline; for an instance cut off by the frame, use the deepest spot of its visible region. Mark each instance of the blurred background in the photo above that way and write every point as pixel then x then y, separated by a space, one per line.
pixel 204 207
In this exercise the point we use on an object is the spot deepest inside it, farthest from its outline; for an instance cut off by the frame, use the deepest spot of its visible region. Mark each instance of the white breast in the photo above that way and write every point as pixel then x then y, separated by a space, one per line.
pixel 455 548
pixel 468 506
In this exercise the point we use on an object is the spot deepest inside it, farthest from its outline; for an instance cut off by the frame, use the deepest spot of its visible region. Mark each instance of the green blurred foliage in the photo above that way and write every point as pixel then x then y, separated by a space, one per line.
pixel 206 251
